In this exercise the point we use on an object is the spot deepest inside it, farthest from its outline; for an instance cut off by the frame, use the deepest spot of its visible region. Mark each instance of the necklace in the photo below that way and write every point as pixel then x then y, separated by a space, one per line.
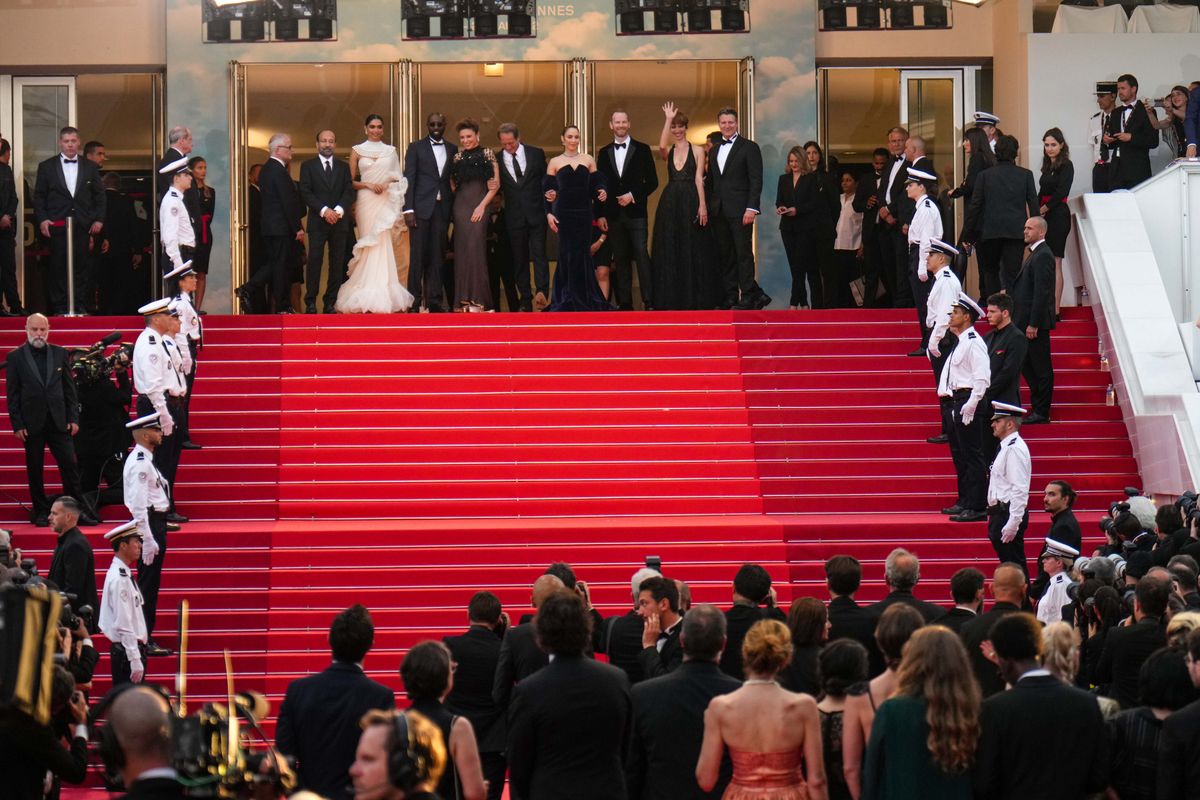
pixel 576 154
pixel 759 682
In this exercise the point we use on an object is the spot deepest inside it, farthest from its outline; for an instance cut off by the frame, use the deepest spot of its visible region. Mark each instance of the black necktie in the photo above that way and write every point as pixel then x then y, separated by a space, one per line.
pixel 329 169
pixel 517 168
pixel 620 145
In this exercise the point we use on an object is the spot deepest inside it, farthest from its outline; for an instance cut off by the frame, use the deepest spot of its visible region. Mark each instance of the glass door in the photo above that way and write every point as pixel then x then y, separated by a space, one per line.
pixel 932 107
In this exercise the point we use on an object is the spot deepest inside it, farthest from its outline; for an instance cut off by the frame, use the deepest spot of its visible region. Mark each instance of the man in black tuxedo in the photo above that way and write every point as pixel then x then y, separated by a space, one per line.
pixel 866 202
pixel 477 653
pixel 668 716
pixel 1179 742
pixel 179 145
pixel 520 656
pixel 427 211
pixel 10 223
pixel 736 200
pixel 522 169
pixel 847 619
pixel 328 191
pixel 1130 137
pixel 1007 345
pixel 319 718
pixel 1029 733
pixel 68 186
pixel 1127 647
pixel 44 410
pixel 571 694
pixel 902 572
pixel 628 169
pixel 1008 589
pixel 914 158
pixel 1033 314
pixel 966 589
pixel 620 638
pixel 753 600
pixel 658 605
pixel 891 197
pixel 73 565
pixel 282 213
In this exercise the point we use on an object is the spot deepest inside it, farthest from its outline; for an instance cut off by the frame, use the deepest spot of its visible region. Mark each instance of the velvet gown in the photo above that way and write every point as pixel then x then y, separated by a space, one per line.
pixel 575 286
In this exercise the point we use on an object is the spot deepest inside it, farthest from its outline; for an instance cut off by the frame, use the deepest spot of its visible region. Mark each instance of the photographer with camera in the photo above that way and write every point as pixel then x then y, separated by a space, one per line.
pixel 73 566
pixel 32 754
pixel 76 646
pixel 105 390
pixel 121 617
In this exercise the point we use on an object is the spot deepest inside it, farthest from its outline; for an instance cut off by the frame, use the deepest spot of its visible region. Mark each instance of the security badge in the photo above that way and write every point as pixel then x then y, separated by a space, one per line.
pixel 174 211
pixel 154 358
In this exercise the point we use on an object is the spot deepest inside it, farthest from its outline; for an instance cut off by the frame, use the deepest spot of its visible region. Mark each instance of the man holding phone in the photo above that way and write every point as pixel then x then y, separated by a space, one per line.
pixel 753 599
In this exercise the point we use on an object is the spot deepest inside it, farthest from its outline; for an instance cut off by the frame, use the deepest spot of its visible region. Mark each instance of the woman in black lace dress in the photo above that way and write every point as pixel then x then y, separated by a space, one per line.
pixel 473 167
pixel 681 248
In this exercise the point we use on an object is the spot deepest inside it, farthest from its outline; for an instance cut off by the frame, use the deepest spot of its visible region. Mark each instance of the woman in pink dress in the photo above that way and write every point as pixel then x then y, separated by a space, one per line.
pixel 773 735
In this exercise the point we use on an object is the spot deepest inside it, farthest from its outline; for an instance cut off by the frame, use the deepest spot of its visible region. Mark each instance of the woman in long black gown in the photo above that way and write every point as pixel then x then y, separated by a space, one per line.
pixel 1058 173
pixel 571 184
pixel 682 251
pixel 470 173
pixel 201 200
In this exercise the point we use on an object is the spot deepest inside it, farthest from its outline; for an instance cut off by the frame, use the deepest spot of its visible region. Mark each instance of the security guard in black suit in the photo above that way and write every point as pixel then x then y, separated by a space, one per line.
pixel 1033 313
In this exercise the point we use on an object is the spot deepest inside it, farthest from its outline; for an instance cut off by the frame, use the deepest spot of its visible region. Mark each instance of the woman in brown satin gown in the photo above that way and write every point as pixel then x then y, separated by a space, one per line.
pixel 470 173
pixel 773 735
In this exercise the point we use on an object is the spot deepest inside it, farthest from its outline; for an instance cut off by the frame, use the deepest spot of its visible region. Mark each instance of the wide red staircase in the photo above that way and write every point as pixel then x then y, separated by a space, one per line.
pixel 407 461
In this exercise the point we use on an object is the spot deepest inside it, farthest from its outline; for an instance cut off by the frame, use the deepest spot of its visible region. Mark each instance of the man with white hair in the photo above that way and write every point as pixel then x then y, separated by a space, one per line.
pixel 179 146
pixel 282 213
pixel 620 638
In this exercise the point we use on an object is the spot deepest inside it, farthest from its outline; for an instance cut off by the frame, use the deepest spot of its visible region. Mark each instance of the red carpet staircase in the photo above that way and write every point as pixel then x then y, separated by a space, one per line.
pixel 405 462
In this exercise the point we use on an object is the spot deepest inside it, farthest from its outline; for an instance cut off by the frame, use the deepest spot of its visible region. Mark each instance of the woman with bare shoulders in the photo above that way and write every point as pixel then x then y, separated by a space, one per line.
pixel 572 183
pixel 682 252
pixel 773 735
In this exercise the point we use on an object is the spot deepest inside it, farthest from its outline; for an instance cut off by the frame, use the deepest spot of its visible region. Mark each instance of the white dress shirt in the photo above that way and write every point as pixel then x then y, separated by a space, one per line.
pixel 723 151
pixel 1049 608
pixel 926 225
pixel 439 155
pixel 70 170
pixel 967 367
pixel 887 193
pixel 144 487
pixel 1009 481
pixel 121 617
pixel 942 297
pixel 849 226
pixel 519 157
pixel 154 372
pixel 619 153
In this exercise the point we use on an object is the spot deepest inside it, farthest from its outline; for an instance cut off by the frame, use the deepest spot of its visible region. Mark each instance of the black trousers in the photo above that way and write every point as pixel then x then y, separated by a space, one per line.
pixel 902 291
pixel 991 445
pixel 937 363
pixel 494 767
pixel 427 258
pixel 920 291
pixel 183 425
pixel 999 263
pixel 847 267
pixel 802 262
pixel 166 455
pixel 274 274
pixel 62 447
pixel 8 270
pixel 884 247
pixel 119 660
pixel 321 237
pixel 736 244
pixel 1038 371
pixel 149 576
pixel 966 449
pixel 1100 178
pixel 629 236
pixel 1014 551
pixel 57 284
pixel 528 243
pixel 870 267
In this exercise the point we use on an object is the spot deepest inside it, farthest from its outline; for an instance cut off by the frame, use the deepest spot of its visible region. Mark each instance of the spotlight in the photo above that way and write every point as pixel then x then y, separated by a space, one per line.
pixel 287 30
pixel 218 31
pixel 520 25
pixel 699 14
pixel 632 22
pixel 867 14
pixel 218 17
pixel 937 15
pixel 285 18
pixel 833 15
pixel 253 30
pixel 486 25
pixel 520 14
pixel 631 15
pixel 454 27
pixel 900 14
pixel 320 28
pixel 417 14
pixel 733 19
pixel 699 21
pixel 666 21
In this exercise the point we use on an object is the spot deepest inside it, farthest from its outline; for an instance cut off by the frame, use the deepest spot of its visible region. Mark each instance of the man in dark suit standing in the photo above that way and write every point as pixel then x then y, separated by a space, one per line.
pixel 1007 345
pixel 658 604
pixel 477 653
pixel 1030 731
pixel 966 589
pixel 73 565
pixel 1130 137
pixel 847 619
pixel 179 145
pixel 866 202
pixel 1008 589
pixel 44 410
pixel 628 169
pixel 282 213
pixel 427 204
pixel 1033 313
pixel 902 571
pixel 520 656
pixel 68 187
pixel 576 694
pixel 1179 743
pixel 620 638
pixel 10 223
pixel 319 718
pixel 327 190
pixel 893 238
pixel 522 169
pixel 1127 647
pixel 753 600
pixel 668 716
pixel 736 200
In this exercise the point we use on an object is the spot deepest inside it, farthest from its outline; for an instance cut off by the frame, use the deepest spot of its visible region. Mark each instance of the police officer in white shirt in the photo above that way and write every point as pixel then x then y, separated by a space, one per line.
pixel 942 297
pixel 961 386
pixel 1057 560
pixel 160 381
pixel 1008 489
pixel 147 496
pixel 926 226
pixel 174 219
pixel 188 341
pixel 121 619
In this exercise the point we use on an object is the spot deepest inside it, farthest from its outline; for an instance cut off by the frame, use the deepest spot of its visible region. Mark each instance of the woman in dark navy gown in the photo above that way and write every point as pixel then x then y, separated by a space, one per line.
pixel 571 184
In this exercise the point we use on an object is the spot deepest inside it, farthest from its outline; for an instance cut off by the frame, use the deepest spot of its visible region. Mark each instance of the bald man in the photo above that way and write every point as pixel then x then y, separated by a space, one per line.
pixel 1033 314
pixel 1008 590
pixel 140 720
pixel 328 193
pixel 520 655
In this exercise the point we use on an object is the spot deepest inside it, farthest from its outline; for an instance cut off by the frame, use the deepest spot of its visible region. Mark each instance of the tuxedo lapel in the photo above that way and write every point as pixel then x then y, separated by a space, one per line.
pixel 33 365
pixel 612 156
pixel 62 176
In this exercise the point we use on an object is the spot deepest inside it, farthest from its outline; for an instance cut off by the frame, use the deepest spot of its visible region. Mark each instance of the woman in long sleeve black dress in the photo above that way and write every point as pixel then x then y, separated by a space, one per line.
pixel 801 262
pixel 201 200
pixel 979 158
pixel 826 193
pixel 1058 173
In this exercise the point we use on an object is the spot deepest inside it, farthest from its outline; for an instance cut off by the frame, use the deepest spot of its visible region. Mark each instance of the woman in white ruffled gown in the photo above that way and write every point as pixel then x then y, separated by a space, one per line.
pixel 373 286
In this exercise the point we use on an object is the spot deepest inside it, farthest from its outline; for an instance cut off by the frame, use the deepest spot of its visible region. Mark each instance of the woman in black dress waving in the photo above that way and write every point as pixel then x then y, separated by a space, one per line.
pixel 682 252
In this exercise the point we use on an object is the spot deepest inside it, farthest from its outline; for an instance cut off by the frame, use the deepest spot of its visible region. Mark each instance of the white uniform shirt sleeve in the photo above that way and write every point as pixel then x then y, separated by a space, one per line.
pixel 137 476
pixel 981 368
pixel 168 215
pixel 149 370
pixel 926 225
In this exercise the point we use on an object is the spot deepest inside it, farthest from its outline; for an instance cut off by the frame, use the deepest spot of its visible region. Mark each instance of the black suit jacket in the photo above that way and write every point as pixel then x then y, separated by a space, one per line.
pixel 817 204
pixel 569 732
pixel 849 620
pixel 739 186
pixel 477 652
pixel 620 638
pixel 1125 650
pixel 1131 160
pixel 1028 732
pixel 1033 291
pixel 52 201
pixel 28 749
pixel 524 205
pixel 163 182
pixel 656 662
pixel 9 201
pixel 156 789
pixel 1006 353
pixel 929 612
pixel 73 569
pixel 519 658
pixel 668 727
pixel 639 178
pixel 121 226
pixel 317 191
pixel 1003 198
pixel 318 724
pixel 425 183
pixel 975 633
pixel 282 210
pixel 1179 755
pixel 868 187
pixel 738 621
pixel 956 618
pixel 34 396
pixel 902 207
pixel 895 186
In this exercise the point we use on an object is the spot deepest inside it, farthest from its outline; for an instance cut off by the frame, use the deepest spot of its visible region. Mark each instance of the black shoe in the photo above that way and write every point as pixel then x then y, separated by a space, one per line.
pixel 175 517
pixel 918 353
pixel 747 303
pixel 310 308
pixel 647 307
pixel 174 526
pixel 941 438
pixel 202 313
pixel 41 520
pixel 156 650
pixel 243 295
pixel 87 520
pixel 969 516
pixel 953 510
pixel 762 301
pixel 1037 419
pixel 190 445
pixel 329 310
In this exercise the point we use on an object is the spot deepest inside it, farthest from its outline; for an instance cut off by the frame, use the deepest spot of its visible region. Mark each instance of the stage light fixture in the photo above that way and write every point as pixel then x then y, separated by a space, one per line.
pixel 285 15
pixel 900 14
pixel 485 18
pixel 936 15
pixel 218 18
pixel 417 15
pixel 833 14
pixel 699 15
pixel 631 15
pixel 868 13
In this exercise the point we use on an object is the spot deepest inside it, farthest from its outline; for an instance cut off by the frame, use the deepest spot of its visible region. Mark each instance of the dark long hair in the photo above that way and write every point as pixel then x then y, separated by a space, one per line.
pixel 1064 155
pixel 979 144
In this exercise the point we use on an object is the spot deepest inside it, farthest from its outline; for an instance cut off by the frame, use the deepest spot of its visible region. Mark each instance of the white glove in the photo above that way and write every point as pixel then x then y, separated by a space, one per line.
pixel 168 424
pixel 1008 534
pixel 932 350
pixel 136 670
pixel 923 276
pixel 149 550
pixel 968 413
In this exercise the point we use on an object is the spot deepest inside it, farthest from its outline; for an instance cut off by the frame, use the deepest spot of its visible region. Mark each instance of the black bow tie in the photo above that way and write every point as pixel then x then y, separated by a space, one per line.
pixel 726 141
pixel 435 141
pixel 620 145
pixel 69 160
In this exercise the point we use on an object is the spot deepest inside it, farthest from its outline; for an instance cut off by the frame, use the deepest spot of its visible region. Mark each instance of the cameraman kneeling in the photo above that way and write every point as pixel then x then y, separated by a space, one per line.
pixel 29 750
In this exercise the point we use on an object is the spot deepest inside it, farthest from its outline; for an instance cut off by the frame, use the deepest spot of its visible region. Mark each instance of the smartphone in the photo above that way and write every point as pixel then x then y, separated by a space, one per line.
pixel 654 563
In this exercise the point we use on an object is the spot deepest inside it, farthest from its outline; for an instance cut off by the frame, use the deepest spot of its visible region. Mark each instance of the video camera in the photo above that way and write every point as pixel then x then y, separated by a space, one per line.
pixel 91 365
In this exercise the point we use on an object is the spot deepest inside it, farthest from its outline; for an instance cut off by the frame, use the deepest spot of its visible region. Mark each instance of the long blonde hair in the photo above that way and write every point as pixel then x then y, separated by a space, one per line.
pixel 935 667
pixel 1060 651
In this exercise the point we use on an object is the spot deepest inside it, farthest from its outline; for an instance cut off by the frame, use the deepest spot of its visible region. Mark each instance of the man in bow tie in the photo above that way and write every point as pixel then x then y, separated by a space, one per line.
pixel 736 167
pixel 68 187
pixel 1130 137
pixel 628 168
pixel 427 204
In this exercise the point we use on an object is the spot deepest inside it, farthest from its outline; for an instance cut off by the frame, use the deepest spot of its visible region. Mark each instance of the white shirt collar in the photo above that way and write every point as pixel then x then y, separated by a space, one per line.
pixel 158 772
pixel 325 159
pixel 1012 436
pixel 1036 245
pixel 280 160
pixel 1035 673
pixel 621 141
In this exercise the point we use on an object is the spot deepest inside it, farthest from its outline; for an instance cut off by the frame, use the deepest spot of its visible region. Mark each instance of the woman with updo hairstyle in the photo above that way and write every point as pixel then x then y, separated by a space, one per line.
pixel 808 621
pixel 471 171
pixel 769 731
pixel 843 665
pixel 895 627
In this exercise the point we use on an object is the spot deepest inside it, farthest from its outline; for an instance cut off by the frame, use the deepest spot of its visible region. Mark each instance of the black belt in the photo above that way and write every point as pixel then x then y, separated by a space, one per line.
pixel 997 509
pixel 961 392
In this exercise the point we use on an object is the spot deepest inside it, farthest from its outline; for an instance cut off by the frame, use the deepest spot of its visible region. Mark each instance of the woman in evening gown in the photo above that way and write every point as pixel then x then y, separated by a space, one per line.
pixel 473 167
pixel 373 286
pixel 682 250
pixel 571 183
pixel 201 200
pixel 770 732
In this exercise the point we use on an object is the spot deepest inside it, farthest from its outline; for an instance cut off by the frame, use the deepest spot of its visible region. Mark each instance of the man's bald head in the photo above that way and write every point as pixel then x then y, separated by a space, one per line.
pixel 545 586
pixel 1008 583
pixel 139 719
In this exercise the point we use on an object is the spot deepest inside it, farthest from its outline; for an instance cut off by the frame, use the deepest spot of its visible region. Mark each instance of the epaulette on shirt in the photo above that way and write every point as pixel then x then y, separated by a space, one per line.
pixel 971 334
pixel 141 456
pixel 151 338
pixel 1095 115
pixel 124 572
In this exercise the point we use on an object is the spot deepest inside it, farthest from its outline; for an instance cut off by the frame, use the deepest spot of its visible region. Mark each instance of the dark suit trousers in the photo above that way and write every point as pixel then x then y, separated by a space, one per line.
pixel 884 244
pixel 57 283
pixel 320 236
pixel 1014 551
pixel 736 243
pixel 870 267
pixel 999 263
pixel 528 243
pixel 628 236
pixel 966 449
pixel 149 576
pixel 1039 373
pixel 183 424
pixel 119 660
pixel 62 447
pixel 945 346
pixel 920 291
pixel 274 273
pixel 802 260
pixel 902 289
pixel 427 258
pixel 494 767
pixel 166 455
pixel 8 271
pixel 1100 178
